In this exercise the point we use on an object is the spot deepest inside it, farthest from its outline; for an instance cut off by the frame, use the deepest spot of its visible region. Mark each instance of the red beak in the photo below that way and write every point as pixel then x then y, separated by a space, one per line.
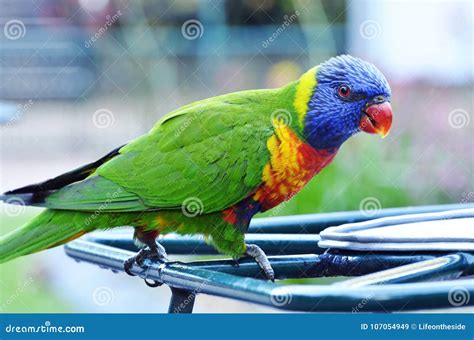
pixel 377 118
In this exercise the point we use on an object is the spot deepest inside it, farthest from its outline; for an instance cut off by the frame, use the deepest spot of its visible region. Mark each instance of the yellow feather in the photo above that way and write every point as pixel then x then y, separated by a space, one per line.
pixel 304 90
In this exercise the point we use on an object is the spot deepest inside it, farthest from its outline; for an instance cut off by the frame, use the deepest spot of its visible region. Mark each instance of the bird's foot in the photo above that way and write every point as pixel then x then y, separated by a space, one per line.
pixel 235 261
pixel 259 256
pixel 157 253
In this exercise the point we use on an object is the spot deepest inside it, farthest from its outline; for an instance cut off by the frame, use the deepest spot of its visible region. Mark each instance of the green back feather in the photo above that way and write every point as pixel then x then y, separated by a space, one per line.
pixel 214 150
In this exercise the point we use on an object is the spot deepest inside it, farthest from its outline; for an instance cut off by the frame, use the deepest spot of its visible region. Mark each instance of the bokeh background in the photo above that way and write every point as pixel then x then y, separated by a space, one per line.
pixel 81 77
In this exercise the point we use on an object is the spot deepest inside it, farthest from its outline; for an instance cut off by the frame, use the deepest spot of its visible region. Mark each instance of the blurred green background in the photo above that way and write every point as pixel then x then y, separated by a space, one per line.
pixel 79 78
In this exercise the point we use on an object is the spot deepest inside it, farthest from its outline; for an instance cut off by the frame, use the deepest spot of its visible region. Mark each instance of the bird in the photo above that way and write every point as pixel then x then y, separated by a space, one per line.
pixel 208 167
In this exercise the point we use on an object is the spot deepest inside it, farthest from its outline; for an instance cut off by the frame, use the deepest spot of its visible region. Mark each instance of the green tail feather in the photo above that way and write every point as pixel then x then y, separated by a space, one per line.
pixel 55 227
pixel 48 229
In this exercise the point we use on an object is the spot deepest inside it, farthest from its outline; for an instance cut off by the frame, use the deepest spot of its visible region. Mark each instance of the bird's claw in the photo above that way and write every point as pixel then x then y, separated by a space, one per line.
pixel 139 259
pixel 157 253
pixel 259 256
pixel 128 264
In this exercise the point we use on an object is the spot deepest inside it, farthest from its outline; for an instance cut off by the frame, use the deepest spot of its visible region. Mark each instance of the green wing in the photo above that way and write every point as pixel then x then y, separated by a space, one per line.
pixel 212 150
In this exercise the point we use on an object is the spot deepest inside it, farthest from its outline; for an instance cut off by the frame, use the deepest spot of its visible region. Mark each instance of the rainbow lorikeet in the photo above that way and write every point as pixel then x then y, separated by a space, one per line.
pixel 210 166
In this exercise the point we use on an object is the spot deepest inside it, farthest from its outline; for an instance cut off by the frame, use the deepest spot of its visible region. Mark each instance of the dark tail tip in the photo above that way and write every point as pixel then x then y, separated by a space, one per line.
pixel 36 199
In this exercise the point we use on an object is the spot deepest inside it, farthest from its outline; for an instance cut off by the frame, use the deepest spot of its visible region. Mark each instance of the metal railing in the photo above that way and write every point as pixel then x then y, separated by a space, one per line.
pixel 385 281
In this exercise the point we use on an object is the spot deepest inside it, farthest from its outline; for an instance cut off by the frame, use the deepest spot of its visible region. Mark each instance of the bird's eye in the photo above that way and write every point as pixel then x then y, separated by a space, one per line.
pixel 344 91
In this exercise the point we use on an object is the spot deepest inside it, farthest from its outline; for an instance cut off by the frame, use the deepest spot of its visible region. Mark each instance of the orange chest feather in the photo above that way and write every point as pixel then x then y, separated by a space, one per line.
pixel 292 164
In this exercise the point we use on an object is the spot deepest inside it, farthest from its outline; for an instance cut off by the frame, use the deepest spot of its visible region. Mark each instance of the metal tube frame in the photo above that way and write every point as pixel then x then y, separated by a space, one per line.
pixel 384 281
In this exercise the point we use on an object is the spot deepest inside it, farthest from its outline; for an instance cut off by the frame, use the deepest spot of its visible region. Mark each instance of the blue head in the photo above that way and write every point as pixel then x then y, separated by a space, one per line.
pixel 351 95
